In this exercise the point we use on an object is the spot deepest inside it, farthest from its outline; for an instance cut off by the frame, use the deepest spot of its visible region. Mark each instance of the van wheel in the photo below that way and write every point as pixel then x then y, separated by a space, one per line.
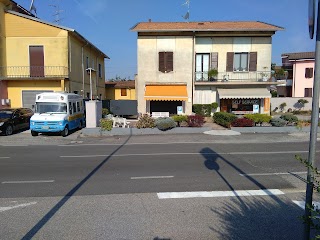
pixel 34 134
pixel 65 131
pixel 9 130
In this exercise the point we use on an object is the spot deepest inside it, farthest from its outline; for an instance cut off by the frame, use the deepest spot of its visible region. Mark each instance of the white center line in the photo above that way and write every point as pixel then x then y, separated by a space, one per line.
pixel 238 193
pixel 22 182
pixel 151 177
pixel 268 174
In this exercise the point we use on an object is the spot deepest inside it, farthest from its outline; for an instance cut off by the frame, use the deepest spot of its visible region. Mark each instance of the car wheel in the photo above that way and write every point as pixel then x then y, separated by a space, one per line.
pixel 65 131
pixel 9 130
pixel 34 134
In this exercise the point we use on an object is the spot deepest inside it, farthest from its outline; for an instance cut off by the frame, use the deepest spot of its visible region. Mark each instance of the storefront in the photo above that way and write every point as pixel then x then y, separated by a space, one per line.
pixel 245 101
pixel 166 98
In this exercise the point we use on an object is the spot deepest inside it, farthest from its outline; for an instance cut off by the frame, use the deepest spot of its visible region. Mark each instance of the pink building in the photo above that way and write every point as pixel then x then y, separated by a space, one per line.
pixel 299 77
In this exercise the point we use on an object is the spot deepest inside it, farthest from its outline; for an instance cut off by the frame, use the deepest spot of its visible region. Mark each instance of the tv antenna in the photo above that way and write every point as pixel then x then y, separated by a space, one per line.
pixel 33 8
pixel 187 15
pixel 56 12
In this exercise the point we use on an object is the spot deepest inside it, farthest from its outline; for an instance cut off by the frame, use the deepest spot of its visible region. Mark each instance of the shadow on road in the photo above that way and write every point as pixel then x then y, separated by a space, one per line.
pixel 63 201
pixel 249 217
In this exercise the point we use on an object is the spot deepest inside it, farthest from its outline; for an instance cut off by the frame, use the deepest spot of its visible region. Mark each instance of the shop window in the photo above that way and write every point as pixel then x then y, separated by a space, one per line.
pixel 308 73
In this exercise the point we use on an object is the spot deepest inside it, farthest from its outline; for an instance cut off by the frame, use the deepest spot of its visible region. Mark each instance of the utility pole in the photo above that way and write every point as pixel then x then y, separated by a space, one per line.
pixel 315 115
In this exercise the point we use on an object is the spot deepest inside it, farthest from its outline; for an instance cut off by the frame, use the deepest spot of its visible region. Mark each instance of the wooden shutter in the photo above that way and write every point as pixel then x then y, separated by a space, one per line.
pixel 36 56
pixel 253 62
pixel 230 61
pixel 162 62
pixel 214 60
pixel 169 61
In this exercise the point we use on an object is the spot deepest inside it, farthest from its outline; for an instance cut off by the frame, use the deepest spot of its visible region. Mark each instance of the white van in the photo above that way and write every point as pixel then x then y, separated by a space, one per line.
pixel 57 112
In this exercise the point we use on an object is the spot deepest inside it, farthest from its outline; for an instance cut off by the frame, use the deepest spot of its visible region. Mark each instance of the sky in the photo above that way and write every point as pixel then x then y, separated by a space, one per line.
pixel 107 23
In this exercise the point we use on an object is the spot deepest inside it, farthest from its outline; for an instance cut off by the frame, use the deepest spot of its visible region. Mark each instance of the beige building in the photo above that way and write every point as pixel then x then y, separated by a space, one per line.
pixel 181 64
pixel 37 56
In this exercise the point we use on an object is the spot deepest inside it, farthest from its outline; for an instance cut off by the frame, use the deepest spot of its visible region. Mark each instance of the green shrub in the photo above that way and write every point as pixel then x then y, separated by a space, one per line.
pixel 146 121
pixel 105 111
pixel 195 121
pixel 258 118
pixel 179 119
pixel 214 105
pixel 289 118
pixel 197 109
pixel 224 119
pixel 165 123
pixel 106 124
pixel 278 122
pixel 202 109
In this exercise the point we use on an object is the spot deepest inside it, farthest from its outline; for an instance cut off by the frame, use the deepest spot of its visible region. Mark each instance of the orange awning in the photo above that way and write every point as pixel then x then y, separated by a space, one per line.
pixel 166 93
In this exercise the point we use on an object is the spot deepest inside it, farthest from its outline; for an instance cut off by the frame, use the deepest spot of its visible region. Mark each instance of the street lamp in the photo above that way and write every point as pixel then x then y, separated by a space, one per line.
pixel 314 116
pixel 90 70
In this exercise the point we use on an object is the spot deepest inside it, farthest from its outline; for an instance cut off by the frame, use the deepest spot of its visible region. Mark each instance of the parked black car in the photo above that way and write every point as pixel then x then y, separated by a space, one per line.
pixel 13 119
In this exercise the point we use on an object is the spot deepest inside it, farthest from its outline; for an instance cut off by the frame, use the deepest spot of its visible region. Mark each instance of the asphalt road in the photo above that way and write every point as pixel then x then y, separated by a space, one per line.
pixel 111 188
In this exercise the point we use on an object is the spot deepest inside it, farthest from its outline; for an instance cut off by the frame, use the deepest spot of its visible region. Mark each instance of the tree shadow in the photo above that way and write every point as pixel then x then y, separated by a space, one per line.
pixel 249 217
pixel 45 219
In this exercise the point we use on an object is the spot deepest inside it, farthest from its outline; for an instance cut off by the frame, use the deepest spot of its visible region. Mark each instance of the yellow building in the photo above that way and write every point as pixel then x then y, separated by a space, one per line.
pixel 38 56
pixel 122 90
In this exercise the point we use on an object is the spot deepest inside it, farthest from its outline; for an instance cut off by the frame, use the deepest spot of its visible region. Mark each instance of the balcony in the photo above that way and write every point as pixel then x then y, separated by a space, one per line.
pixel 22 72
pixel 226 78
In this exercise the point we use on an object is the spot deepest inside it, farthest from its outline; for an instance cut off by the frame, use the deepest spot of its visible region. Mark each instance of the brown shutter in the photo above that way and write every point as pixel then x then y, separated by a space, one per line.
pixel 161 62
pixel 214 60
pixel 253 62
pixel 169 61
pixel 230 61
pixel 36 57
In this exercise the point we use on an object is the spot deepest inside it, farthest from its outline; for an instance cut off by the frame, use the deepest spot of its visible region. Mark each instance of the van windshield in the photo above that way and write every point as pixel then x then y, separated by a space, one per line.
pixel 51 107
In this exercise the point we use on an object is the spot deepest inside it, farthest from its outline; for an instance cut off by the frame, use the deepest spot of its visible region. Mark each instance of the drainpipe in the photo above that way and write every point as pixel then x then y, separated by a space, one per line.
pixel 82 67
pixel 193 69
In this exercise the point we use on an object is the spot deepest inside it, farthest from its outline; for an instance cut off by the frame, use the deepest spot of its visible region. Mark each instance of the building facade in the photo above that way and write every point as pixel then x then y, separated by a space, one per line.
pixel 181 64
pixel 298 81
pixel 120 90
pixel 38 56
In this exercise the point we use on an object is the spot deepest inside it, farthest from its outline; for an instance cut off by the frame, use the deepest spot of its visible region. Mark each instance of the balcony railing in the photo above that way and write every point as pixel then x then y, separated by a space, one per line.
pixel 24 72
pixel 234 77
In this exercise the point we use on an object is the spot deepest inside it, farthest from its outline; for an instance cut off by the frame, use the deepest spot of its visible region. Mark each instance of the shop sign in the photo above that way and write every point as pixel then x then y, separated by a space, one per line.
pixel 246 101
pixel 179 110
pixel 255 108
pixel 242 112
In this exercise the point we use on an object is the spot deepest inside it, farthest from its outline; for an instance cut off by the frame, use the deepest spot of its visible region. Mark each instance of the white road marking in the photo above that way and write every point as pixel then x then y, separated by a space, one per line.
pixel 206 194
pixel 173 153
pixel 4 157
pixel 151 177
pixel 302 204
pixel 269 174
pixel 2 209
pixel 22 182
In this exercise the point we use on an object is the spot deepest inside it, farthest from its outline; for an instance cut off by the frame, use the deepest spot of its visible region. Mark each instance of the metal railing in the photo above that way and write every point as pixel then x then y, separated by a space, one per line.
pixel 33 72
pixel 264 76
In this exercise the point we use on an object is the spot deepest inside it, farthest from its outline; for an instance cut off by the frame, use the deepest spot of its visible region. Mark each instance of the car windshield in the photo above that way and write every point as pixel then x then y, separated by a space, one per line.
pixel 5 114
pixel 51 108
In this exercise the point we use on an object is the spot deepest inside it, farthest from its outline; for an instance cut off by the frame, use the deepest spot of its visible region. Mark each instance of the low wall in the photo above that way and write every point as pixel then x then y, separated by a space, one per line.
pixel 291 103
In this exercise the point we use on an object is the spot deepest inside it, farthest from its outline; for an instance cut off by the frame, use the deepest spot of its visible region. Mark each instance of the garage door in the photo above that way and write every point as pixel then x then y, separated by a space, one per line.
pixel 29 97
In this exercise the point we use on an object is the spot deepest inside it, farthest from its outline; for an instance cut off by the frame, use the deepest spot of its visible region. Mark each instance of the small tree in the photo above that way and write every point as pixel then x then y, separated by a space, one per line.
pixel 302 102
pixel 282 106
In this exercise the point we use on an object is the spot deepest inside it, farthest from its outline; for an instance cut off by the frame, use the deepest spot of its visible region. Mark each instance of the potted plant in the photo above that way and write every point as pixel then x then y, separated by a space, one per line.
pixel 212 74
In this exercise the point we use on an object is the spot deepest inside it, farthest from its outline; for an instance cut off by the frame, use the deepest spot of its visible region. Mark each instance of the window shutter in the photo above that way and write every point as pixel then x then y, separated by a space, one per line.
pixel 161 62
pixel 169 61
pixel 230 61
pixel 253 62
pixel 214 60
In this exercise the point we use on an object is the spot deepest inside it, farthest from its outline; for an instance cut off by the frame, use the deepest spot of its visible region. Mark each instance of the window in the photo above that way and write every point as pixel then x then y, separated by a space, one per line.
pixel 78 106
pixel 308 92
pixel 123 92
pixel 202 66
pixel 70 108
pixel 165 62
pixel 99 71
pixel 88 95
pixel 87 62
pixel 308 73
pixel 240 62
pixel 74 107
